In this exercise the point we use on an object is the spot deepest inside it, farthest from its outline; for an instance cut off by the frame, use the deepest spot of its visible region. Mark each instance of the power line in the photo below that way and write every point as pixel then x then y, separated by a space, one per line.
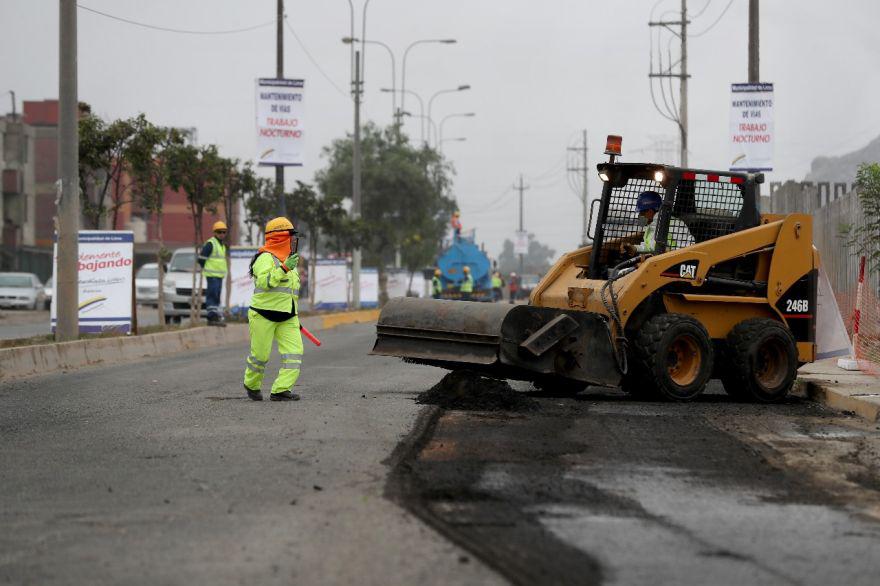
pixel 175 30
pixel 312 59
pixel 717 20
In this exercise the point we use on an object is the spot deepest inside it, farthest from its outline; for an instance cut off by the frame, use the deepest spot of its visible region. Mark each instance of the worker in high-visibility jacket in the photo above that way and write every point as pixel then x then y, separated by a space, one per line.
pixel 273 312
pixel 467 284
pixel 497 284
pixel 436 284
pixel 212 259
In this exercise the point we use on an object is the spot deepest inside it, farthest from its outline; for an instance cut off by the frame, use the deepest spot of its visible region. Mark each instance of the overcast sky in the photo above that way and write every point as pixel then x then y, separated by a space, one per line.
pixel 540 73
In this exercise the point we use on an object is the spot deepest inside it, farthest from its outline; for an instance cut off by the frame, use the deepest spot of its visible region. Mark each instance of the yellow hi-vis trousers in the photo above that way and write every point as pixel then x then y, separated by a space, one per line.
pixel 290 346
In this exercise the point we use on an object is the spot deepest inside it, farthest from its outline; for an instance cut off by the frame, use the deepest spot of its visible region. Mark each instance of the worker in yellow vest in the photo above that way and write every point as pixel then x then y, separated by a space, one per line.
pixel 273 312
pixel 212 259
pixel 467 284
pixel 436 285
pixel 497 284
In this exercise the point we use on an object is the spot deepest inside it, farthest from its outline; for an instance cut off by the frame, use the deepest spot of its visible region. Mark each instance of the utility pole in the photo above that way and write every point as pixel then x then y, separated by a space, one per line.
pixel 681 117
pixel 67 286
pixel 585 199
pixel 356 183
pixel 683 87
pixel 754 43
pixel 279 74
pixel 521 188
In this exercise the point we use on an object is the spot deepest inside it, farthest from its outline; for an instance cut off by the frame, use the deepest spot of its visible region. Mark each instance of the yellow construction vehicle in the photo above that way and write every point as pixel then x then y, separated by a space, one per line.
pixel 710 288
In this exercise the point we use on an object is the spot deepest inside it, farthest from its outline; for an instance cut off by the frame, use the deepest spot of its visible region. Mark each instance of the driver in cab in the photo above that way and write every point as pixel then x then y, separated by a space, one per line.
pixel 648 205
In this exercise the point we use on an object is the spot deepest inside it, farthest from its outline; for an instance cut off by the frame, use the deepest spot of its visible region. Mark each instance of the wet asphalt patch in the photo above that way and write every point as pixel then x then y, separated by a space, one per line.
pixel 496 481
pixel 470 391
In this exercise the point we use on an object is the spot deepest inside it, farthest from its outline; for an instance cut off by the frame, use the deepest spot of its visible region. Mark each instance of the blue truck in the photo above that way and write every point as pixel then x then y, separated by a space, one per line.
pixel 463 252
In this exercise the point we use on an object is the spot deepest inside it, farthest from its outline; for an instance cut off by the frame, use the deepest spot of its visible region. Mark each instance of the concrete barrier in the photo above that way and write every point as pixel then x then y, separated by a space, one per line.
pixel 27 361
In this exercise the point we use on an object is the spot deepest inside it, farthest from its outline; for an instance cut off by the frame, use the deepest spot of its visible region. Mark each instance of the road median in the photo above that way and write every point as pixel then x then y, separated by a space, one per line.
pixel 853 391
pixel 25 361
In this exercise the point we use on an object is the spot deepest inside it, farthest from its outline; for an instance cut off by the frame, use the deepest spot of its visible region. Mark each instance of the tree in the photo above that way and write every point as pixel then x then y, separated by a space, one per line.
pixel 149 160
pixel 260 206
pixel 866 238
pixel 103 161
pixel 403 191
pixel 238 182
pixel 199 172
pixel 537 261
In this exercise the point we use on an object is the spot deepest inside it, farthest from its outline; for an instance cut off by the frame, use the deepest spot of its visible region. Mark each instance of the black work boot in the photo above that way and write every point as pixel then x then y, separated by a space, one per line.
pixel 284 396
pixel 254 395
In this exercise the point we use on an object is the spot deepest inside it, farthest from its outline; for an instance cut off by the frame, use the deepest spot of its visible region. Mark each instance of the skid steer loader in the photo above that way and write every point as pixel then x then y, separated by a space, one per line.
pixel 726 292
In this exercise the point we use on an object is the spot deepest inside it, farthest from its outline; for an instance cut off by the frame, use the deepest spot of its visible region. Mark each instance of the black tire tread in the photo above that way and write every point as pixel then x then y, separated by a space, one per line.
pixel 648 350
pixel 736 380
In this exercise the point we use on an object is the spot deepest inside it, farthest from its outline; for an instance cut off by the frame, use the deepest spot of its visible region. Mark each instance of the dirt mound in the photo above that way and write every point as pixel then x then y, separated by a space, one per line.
pixel 466 390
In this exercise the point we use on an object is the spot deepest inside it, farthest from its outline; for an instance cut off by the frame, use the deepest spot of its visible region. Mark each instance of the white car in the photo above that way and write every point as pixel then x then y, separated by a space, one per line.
pixel 178 285
pixel 146 283
pixel 20 290
pixel 47 294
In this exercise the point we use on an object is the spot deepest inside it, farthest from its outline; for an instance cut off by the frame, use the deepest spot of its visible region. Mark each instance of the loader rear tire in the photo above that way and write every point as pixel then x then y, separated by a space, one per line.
pixel 763 360
pixel 676 355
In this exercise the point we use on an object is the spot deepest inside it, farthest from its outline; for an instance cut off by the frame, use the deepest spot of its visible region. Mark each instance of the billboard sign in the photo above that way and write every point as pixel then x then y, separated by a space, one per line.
pixel 521 242
pixel 751 127
pixel 280 112
pixel 106 278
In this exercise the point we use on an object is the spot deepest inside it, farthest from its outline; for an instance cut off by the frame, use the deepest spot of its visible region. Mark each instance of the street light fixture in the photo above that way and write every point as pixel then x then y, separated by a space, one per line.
pixel 352 40
pixel 448 116
pixel 460 88
pixel 406 52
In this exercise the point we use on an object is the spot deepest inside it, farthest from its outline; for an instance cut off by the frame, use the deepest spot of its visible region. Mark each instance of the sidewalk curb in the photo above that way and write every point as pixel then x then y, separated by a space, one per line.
pixel 25 361
pixel 865 407
pixel 852 391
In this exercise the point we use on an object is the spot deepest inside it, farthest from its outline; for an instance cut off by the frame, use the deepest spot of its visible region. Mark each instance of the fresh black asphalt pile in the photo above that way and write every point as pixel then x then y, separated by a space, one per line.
pixel 465 390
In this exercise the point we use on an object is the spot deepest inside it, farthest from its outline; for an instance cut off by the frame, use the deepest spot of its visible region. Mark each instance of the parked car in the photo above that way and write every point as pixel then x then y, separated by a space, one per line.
pixel 178 286
pixel 20 290
pixel 47 293
pixel 146 283
pixel 526 284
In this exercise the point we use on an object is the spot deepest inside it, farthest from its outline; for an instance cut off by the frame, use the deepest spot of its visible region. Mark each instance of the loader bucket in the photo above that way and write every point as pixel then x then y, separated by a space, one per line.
pixel 506 341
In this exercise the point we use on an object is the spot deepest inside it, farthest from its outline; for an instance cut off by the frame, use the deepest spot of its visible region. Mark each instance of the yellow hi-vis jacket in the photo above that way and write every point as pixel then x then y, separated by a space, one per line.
pixel 215 265
pixel 274 288
pixel 467 285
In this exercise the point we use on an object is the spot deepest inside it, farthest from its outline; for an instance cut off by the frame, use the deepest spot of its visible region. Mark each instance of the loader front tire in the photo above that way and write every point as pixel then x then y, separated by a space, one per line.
pixel 763 360
pixel 676 354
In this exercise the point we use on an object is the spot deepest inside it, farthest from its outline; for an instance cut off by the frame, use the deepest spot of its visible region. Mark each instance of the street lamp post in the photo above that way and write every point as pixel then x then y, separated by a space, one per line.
pixel 403 67
pixel 351 41
pixel 424 120
pixel 460 88
pixel 421 108
pixel 447 117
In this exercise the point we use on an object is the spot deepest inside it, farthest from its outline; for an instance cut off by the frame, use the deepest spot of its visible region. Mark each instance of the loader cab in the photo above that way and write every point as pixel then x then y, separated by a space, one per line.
pixel 697 206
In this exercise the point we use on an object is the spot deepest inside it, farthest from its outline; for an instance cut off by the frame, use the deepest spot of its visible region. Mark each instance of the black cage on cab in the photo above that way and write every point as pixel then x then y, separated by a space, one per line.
pixel 697 206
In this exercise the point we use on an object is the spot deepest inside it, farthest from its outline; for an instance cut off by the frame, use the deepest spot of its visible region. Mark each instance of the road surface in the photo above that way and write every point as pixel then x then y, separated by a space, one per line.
pixel 161 472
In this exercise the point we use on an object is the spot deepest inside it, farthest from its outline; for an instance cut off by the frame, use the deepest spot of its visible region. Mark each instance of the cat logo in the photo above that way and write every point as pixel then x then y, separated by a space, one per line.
pixel 687 271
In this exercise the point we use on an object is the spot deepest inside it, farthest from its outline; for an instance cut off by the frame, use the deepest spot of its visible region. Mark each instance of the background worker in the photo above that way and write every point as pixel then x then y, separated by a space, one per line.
pixel 212 259
pixel 497 285
pixel 513 287
pixel 436 284
pixel 467 284
pixel 456 225
pixel 648 205
pixel 273 312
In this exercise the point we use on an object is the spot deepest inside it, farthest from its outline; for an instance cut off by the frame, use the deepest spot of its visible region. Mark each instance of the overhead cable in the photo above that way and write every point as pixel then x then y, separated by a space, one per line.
pixel 176 30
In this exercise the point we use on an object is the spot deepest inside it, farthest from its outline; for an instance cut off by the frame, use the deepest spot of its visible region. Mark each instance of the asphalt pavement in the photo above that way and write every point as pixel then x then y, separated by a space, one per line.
pixel 162 472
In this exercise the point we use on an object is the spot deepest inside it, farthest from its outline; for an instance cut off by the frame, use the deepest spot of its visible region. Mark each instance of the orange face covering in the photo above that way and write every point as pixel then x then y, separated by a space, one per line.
pixel 278 245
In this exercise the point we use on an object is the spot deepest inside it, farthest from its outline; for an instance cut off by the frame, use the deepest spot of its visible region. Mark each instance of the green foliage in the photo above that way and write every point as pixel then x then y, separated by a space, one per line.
pixel 403 203
pixel 866 237
pixel 104 151
pixel 536 262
